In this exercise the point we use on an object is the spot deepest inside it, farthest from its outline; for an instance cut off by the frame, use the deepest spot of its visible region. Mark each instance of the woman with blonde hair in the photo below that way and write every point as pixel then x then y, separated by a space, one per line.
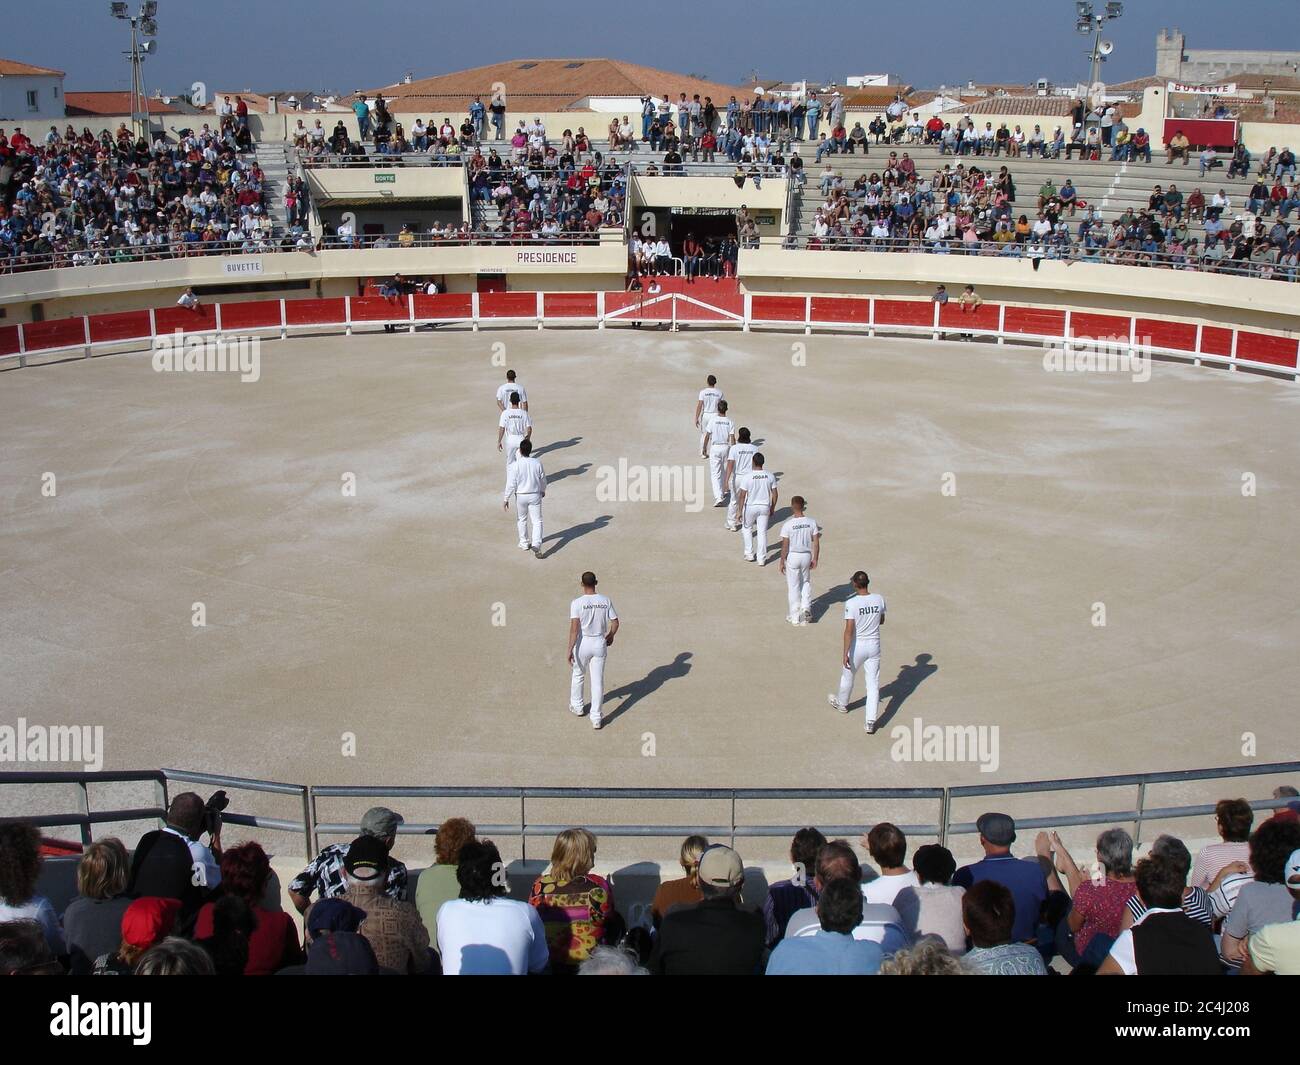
pixel 92 923
pixel 685 891
pixel 576 906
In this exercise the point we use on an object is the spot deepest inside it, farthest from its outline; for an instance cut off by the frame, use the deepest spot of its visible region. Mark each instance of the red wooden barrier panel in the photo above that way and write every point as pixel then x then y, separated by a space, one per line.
pixel 259 314
pixel 315 312
pixel 777 308
pixel 569 304
pixel 1177 336
pixel 1034 321
pixel 444 305
pixel 716 307
pixel 126 325
pixel 1087 326
pixel 378 309
pixel 983 317
pixel 1216 341
pixel 1260 347
pixel 841 310
pixel 616 301
pixel 507 305
pixel 9 340
pixel 169 319
pixel 61 333
pixel 904 312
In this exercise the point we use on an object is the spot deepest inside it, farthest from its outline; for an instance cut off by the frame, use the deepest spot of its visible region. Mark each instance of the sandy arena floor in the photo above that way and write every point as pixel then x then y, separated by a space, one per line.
pixel 373 615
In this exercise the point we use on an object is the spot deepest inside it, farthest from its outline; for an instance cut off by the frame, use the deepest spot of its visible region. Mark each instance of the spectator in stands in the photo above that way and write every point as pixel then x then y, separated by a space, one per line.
pixel 1165 941
pixel 787 897
pixel 880 923
pixel 576 906
pixel 1286 164
pixel 989 916
pixel 20 869
pixel 612 961
pixel 1097 905
pixel 92 923
pixel 483 932
pixel 392 926
pixel 325 872
pixel 1026 879
pixel 1266 899
pixel 887 846
pixel 25 952
pixel 684 891
pixel 832 949
pixel 189 300
pixel 273 942
pixel 933 906
pixel 175 957
pixel 230 927
pixel 1233 818
pixel 1276 947
pixel 145 923
pixel 438 884
pixel 1196 903
pixel 717 936
pixel 1178 146
pixel 1288 799
pixel 926 958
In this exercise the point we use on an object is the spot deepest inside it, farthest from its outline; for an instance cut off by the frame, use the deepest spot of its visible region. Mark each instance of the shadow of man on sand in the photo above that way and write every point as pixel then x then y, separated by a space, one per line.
pixel 633 693
pixel 566 536
pixel 556 445
pixel 908 680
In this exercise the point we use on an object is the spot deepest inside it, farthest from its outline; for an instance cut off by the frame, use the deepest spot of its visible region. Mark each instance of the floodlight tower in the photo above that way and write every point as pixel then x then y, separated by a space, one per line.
pixel 144 24
pixel 1089 22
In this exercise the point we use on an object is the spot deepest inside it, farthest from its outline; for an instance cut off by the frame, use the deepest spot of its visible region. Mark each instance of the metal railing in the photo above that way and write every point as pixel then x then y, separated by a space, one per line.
pixel 310 828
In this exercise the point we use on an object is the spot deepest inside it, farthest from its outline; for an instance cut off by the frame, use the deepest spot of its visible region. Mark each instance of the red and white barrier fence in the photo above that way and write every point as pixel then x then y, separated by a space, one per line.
pixel 1218 345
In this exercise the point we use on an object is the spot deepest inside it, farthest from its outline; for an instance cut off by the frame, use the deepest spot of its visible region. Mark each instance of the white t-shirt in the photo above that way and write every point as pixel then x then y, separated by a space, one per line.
pixel 867 612
pixel 594 613
pixel 720 430
pixel 515 421
pixel 710 397
pixel 502 937
pixel 800 532
pixel 757 487
pixel 884 889
pixel 503 393
pixel 743 456
pixel 526 477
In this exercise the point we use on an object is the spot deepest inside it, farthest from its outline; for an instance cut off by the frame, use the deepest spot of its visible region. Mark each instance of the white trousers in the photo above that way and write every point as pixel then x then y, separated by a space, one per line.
pixel 756 519
pixel 718 469
pixel 589 658
pixel 864 655
pixel 529 505
pixel 733 502
pixel 798 581
pixel 511 444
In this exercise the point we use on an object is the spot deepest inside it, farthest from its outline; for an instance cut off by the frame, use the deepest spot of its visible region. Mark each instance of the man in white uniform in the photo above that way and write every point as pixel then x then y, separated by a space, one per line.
pixel 801 541
pixel 503 393
pixel 739 463
pixel 757 502
pixel 707 405
pixel 514 426
pixel 592 626
pixel 863 616
pixel 715 444
pixel 526 481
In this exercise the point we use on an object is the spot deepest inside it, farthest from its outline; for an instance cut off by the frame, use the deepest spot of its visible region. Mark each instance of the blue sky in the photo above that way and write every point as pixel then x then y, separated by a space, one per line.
pixel 343 44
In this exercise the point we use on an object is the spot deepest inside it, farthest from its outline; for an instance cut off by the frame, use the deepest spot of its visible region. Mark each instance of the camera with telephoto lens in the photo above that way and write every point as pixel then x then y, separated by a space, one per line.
pixel 212 812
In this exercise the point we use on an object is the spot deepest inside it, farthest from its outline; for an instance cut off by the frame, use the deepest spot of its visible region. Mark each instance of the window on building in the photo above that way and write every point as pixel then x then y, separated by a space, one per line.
pixel 33 100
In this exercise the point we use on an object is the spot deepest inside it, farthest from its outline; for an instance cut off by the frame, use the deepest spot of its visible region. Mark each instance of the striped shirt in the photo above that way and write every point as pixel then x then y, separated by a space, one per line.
pixel 1196 904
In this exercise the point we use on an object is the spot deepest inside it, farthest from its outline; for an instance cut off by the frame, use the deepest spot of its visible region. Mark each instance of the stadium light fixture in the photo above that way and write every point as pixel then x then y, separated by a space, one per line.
pixel 143 24
pixel 149 9
pixel 118 10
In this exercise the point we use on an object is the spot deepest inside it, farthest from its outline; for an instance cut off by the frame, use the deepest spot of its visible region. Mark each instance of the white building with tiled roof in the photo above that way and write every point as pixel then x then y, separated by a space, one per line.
pixel 30 93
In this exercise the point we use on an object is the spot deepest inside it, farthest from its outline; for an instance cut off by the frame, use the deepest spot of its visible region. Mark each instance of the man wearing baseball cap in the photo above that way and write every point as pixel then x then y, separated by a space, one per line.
pixel 325 873
pixel 716 936
pixel 1025 878
pixel 1275 948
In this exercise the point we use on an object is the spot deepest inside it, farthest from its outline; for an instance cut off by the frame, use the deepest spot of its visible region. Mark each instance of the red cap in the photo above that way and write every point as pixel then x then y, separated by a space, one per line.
pixel 149 920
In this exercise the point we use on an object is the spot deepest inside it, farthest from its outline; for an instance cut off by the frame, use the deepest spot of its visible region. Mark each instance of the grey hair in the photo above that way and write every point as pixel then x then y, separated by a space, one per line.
pixel 1115 851
pixel 929 957
pixel 611 961
pixel 175 956
pixel 1175 850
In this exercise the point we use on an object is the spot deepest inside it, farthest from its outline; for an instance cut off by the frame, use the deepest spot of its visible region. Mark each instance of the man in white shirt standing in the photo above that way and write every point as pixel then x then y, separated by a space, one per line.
pixel 526 481
pixel 757 502
pixel 863 616
pixel 801 540
pixel 513 427
pixel 511 385
pixel 715 444
pixel 740 461
pixel 593 623
pixel 707 405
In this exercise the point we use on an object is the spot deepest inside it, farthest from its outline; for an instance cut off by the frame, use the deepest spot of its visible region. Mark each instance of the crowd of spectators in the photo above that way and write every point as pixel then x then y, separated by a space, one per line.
pixel 180 905
pixel 76 199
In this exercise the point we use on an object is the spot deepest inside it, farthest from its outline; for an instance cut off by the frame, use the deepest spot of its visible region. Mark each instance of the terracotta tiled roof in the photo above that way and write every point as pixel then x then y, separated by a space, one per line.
pixel 548 85
pixel 80 104
pixel 11 67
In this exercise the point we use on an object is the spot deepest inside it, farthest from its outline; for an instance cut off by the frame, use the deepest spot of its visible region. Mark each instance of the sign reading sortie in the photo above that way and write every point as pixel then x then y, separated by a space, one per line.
pixel 547 258
pixel 241 267
pixel 1227 89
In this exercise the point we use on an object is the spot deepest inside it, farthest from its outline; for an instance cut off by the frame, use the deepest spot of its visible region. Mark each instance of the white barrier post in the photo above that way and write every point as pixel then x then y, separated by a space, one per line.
pixel 540 309
pixel 347 315
pixel 935 334
pixel 22 345
pixel 85 322
pixel 749 310
pixel 473 309
pixel 1197 361
pixel 216 317
pixel 1233 365
pixel 807 316
pixel 871 316
pixel 410 311
pixel 153 326
pixel 284 321
pixel 1002 323
pixel 1066 346
pixel 1132 337
pixel 600 309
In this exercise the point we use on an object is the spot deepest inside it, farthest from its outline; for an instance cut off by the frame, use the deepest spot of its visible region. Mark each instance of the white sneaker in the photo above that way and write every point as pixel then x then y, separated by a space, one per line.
pixel 750 558
pixel 871 728
pixel 805 618
pixel 837 704
pixel 732 528
pixel 792 620
pixel 577 711
pixel 523 547
pixel 537 551
pixel 596 723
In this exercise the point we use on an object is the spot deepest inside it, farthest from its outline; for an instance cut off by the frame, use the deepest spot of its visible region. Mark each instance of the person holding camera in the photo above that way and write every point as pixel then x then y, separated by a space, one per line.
pixel 174 863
